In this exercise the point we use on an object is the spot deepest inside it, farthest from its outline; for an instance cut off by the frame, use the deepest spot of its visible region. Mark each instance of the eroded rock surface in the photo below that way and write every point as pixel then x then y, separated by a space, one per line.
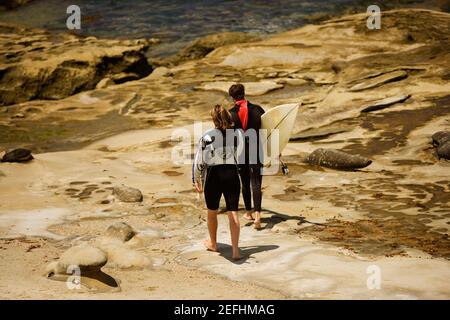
pixel 201 47
pixel 36 64
pixel 329 220
pixel 251 88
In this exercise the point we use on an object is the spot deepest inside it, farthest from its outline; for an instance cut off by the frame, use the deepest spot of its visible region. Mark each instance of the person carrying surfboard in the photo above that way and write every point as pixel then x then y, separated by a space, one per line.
pixel 247 117
pixel 215 172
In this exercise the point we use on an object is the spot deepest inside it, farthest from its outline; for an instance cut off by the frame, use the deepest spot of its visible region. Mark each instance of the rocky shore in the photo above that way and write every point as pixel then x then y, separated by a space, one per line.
pixel 379 95
pixel 36 64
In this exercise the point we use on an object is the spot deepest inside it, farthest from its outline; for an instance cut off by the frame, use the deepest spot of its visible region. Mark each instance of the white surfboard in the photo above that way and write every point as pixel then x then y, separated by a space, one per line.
pixel 278 123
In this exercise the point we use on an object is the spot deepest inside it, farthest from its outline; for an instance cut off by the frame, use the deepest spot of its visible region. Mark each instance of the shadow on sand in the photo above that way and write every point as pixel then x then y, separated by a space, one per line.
pixel 246 252
pixel 277 217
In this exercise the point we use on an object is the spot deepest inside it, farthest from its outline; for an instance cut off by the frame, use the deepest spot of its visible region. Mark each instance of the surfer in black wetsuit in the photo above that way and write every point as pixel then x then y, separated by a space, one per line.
pixel 215 172
pixel 247 116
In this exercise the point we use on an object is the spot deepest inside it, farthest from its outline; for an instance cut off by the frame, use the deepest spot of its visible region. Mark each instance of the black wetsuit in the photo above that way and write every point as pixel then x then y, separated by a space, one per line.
pixel 250 173
pixel 222 179
pixel 221 176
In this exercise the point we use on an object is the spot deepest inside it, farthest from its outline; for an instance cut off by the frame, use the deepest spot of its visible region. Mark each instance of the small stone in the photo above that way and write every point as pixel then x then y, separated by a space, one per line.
pixel 127 194
pixel 120 230
pixel 19 115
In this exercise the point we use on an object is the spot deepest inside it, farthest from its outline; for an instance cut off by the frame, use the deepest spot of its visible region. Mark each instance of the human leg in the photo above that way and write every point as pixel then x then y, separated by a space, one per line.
pixel 256 183
pixel 246 191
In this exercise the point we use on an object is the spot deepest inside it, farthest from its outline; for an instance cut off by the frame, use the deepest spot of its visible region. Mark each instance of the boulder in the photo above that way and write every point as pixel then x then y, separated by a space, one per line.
pixel 87 258
pixel 440 137
pixel 121 231
pixel 18 155
pixel 127 194
pixel 336 159
pixel 90 260
pixel 443 150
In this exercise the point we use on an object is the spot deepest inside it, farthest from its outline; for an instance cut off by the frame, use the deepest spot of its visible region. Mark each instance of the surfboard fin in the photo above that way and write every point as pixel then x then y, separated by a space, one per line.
pixel 284 168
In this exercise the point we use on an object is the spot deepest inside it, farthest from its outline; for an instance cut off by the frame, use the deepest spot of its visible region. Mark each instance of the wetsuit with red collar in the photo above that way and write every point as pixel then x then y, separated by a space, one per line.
pixel 248 116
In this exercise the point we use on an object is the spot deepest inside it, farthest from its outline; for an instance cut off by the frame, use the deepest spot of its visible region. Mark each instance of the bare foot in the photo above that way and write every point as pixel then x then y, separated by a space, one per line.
pixel 257 225
pixel 248 216
pixel 209 246
pixel 237 257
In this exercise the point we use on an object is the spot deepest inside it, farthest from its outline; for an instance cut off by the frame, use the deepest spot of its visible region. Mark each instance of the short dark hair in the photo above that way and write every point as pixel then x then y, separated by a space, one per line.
pixel 237 91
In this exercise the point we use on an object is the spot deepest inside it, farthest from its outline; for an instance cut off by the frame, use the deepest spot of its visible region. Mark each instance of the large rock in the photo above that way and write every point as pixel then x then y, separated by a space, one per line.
pixel 441 140
pixel 127 194
pixel 37 64
pixel 336 159
pixel 18 155
pixel 87 258
pixel 121 231
pixel 440 137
